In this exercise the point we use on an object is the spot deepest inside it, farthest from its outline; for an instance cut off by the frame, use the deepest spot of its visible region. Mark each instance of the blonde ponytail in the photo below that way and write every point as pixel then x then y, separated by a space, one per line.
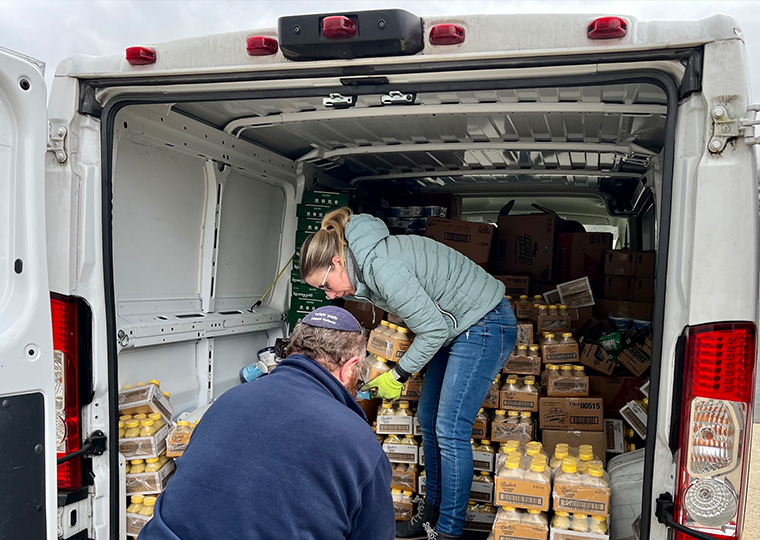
pixel 319 248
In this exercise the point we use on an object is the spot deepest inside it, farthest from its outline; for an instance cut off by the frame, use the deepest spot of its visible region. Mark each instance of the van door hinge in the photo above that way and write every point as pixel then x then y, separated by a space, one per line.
pixel 57 142
pixel 338 101
pixel 394 97
pixel 747 125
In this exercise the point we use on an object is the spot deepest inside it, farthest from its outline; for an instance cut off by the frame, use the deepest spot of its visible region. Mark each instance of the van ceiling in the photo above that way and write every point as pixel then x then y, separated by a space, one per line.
pixel 469 142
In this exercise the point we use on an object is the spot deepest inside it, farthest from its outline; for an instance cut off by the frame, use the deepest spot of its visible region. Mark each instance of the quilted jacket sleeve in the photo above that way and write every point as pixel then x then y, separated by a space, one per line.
pixel 405 297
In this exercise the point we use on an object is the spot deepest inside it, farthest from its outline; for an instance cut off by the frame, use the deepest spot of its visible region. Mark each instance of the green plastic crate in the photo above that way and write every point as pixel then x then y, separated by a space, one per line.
pixel 295 278
pixel 301 237
pixel 313 211
pixel 307 306
pixel 325 198
pixel 295 317
pixel 309 225
pixel 306 292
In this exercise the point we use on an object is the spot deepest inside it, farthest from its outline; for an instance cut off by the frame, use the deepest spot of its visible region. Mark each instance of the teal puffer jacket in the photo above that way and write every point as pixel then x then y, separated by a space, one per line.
pixel 438 291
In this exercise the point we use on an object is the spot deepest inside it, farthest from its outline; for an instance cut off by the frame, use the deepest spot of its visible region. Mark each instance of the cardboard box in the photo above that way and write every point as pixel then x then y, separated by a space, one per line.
pixel 636 417
pixel 636 360
pixel 560 353
pixel 596 358
pixel 619 263
pixel 581 255
pixel 492 398
pixel 574 438
pixel 368 315
pixel 516 286
pixel 556 534
pixel 483 461
pixel 176 443
pixel 135 523
pixel 412 390
pixel 404 480
pixel 524 334
pixel 614 439
pixel 570 413
pixel 576 293
pixel 387 347
pixel 150 483
pixel 480 429
pixel 526 245
pixel 567 387
pixel 478 521
pixel 421 484
pixel 522 494
pixel 145 399
pixel 144 447
pixel 518 531
pixel 518 401
pixel 481 492
pixel 643 290
pixel 616 391
pixel 502 432
pixel 401 453
pixel 393 424
pixel 619 287
pixel 586 500
pixel 645 264
pixel 522 365
pixel 452 203
pixel 579 317
pixel 554 323
pixel 370 407
pixel 471 239
pixel 403 511
pixel 634 310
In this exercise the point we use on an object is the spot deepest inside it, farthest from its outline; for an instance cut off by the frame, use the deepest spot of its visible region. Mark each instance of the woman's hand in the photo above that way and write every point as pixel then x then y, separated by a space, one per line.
pixel 385 386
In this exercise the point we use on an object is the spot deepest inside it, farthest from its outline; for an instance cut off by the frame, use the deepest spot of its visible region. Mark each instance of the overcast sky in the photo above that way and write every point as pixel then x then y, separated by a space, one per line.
pixel 54 30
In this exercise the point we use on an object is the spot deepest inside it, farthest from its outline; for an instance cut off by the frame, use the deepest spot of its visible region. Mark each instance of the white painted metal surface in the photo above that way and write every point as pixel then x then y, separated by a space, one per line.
pixel 26 340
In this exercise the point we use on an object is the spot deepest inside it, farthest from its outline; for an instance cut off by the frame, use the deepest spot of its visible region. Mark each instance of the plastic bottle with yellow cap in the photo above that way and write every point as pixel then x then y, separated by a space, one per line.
pixel 406 496
pixel 511 468
pixel 140 417
pixel 384 328
pixel 526 421
pixel 396 495
pixel 125 418
pixel 579 371
pixel 152 465
pixel 122 430
pixel 586 454
pixel 529 386
pixel 535 518
pixel 147 429
pixel 598 525
pixel 481 416
pixel 568 474
pixel 158 422
pixel 183 426
pixel 521 350
pixel 534 353
pixel 595 477
pixel 508 514
pixel 148 504
pixel 132 429
pixel 579 523
pixel 511 384
pixel 561 521
pixel 548 339
pixel 483 477
pixel 566 370
pixel 562 310
pixel 524 307
pixel 167 395
pixel 561 451
pixel 135 504
pixel 379 367
pixel 409 440
pixel 137 466
pixel 386 409
pixel 538 472
pixel 403 409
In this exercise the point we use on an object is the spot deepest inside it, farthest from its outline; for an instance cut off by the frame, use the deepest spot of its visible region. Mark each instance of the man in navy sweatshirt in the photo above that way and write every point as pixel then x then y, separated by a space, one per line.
pixel 287 456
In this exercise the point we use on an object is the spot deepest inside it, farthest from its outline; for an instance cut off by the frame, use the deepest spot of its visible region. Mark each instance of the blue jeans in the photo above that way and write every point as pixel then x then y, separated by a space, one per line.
pixel 456 384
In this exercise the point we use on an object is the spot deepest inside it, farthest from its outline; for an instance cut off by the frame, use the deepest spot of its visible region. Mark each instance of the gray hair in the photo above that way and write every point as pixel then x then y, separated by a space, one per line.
pixel 331 348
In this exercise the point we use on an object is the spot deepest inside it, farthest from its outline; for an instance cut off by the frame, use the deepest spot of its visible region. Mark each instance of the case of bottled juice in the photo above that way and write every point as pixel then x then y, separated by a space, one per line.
pixel 582 485
pixel 402 504
pixel 397 420
pixel 559 348
pixel 576 526
pixel 178 438
pixel 515 524
pixel 482 487
pixel 145 398
pixel 404 476
pixel 524 360
pixel 519 393
pixel 391 346
pixel 568 381
pixel 153 477
pixel 523 482
pixel 143 445
pixel 479 516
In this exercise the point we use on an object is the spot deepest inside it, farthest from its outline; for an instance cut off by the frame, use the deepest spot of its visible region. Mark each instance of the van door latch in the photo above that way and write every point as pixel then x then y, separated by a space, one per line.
pixel 394 97
pixel 57 142
pixel 338 101
pixel 747 125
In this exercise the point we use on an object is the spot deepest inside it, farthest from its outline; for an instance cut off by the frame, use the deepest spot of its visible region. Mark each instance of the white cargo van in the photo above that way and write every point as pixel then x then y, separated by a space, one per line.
pixel 165 206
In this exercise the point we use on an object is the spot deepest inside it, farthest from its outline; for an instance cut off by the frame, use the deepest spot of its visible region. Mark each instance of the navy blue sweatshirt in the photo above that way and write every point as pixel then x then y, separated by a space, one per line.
pixel 287 456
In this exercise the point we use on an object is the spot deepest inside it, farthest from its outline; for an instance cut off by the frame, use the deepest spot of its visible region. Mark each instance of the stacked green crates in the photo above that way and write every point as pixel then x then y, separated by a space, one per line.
pixel 315 205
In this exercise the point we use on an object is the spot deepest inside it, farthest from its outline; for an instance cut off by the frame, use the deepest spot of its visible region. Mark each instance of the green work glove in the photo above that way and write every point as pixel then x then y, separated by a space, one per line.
pixel 385 386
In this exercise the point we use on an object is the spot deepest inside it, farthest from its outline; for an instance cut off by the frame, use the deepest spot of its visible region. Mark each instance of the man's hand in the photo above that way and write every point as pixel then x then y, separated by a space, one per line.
pixel 385 386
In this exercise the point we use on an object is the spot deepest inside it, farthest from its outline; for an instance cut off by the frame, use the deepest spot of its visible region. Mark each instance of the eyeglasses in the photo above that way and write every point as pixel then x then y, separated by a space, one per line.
pixel 325 287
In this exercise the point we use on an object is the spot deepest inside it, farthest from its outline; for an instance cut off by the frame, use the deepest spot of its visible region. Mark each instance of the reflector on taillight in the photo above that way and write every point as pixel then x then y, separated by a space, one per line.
pixel 141 56
pixel 261 46
pixel 607 28
pixel 338 27
pixel 446 34
pixel 68 438
pixel 716 421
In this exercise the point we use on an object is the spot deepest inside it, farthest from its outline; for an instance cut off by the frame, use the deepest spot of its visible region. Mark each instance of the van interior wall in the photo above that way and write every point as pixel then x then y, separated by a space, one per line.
pixel 195 245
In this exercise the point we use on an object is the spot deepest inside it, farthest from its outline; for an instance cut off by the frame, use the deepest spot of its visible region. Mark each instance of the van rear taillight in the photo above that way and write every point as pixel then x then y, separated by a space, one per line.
pixel 719 375
pixel 338 27
pixel 67 406
pixel 446 34
pixel 607 28
pixel 261 46
pixel 141 56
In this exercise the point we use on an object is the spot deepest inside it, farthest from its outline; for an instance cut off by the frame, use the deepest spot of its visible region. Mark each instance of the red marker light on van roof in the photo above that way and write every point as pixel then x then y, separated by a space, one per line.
pixel 607 28
pixel 446 34
pixel 141 56
pixel 261 46
pixel 338 27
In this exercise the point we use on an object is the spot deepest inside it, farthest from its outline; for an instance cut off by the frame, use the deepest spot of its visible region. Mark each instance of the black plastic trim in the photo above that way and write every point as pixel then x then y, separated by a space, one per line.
pixel 674 440
pixel 692 57
pixel 658 78
pixel 70 497
pixel 692 78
